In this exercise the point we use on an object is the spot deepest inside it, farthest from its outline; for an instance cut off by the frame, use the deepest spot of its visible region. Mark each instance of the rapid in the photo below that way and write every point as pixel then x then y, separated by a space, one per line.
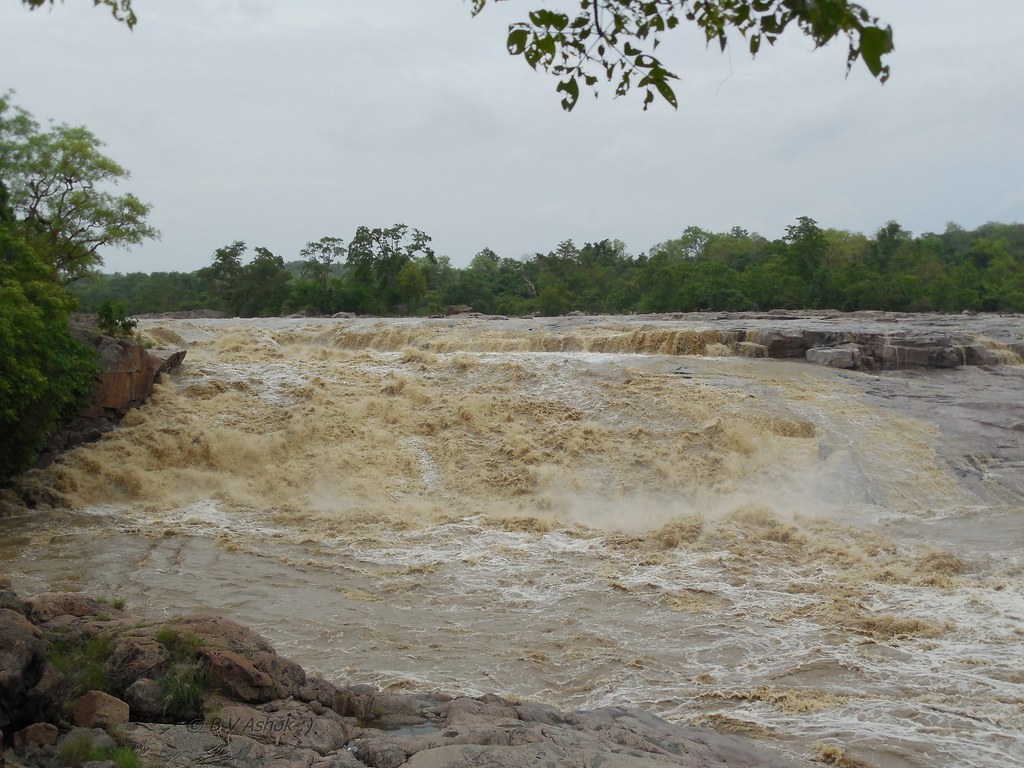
pixel 578 512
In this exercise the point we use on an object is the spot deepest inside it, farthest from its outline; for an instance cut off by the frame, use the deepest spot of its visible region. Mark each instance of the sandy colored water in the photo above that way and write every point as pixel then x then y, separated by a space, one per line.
pixel 583 514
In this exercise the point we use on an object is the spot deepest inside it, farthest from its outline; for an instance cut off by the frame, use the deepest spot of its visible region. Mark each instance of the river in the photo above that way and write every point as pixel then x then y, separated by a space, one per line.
pixel 560 511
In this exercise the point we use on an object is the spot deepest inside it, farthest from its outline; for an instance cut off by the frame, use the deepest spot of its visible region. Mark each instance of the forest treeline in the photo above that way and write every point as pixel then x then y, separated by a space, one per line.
pixel 394 271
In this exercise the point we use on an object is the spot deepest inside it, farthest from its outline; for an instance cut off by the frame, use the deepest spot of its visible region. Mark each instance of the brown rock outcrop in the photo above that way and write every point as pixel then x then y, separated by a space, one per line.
pixel 128 372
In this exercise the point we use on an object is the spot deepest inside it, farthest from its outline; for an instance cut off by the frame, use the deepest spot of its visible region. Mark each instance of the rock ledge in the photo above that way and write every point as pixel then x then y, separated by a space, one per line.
pixel 203 690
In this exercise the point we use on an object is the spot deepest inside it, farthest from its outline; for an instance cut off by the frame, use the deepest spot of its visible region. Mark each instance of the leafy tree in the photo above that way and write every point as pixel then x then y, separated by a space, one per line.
pixel 376 258
pixel 717 286
pixel 1003 284
pixel 410 285
pixel 476 285
pixel 615 40
pixel 554 299
pixel 257 289
pixel 263 286
pixel 690 245
pixel 58 182
pixel 223 276
pixel 807 247
pixel 440 275
pixel 319 258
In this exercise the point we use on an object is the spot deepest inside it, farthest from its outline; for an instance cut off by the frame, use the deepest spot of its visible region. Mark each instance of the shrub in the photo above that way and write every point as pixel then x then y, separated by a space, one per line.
pixel 184 686
pixel 111 319
pixel 79 748
pixel 81 661
pixel 182 646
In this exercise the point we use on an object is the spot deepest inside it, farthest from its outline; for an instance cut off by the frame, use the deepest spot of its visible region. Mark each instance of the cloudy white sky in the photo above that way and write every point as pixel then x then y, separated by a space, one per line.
pixel 279 122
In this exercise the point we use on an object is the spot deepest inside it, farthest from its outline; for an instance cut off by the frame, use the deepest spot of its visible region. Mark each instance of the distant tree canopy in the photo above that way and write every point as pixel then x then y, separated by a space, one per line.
pixel 583 42
pixel 394 271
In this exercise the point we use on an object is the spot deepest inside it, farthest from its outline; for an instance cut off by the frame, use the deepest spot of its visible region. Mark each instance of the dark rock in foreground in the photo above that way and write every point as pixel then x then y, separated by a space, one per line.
pixel 202 690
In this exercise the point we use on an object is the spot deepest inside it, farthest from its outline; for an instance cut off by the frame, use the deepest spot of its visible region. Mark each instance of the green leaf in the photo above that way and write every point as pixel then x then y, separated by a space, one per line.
pixel 571 89
pixel 666 92
pixel 875 43
pixel 516 42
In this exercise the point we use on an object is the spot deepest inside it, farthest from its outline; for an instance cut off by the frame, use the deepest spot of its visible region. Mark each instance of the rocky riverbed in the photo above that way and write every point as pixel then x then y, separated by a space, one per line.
pixel 83 681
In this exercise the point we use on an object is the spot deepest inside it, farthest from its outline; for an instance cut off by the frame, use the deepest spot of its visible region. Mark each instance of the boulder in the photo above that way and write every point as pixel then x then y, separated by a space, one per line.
pixel 40 734
pixel 169 362
pixel 979 354
pixel 145 699
pixel 97 709
pixel 236 676
pixel 288 676
pixel 843 356
pixel 22 668
pixel 788 342
pixel 133 657
pixel 324 693
pixel 8 597
pixel 919 352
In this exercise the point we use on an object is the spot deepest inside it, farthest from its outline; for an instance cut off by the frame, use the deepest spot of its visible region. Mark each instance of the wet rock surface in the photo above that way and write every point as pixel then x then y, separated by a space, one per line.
pixel 253 708
pixel 866 340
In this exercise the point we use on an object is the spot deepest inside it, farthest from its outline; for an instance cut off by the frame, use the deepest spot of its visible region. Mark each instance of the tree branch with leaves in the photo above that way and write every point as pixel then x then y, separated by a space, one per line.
pixel 615 40
pixel 120 9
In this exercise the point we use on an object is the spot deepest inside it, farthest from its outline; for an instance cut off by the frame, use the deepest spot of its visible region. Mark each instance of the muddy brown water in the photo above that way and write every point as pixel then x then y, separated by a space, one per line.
pixel 559 511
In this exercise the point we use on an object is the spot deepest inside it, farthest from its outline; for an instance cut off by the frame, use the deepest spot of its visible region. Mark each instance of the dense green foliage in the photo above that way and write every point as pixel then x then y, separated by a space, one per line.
pixel 395 271
pixel 56 213
pixel 112 320
pixel 43 371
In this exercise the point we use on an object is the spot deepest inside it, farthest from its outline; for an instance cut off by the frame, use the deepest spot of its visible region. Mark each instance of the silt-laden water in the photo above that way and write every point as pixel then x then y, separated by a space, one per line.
pixel 811 557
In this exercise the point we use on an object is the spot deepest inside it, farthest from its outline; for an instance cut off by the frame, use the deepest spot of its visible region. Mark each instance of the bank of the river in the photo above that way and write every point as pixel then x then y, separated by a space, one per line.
pixel 83 680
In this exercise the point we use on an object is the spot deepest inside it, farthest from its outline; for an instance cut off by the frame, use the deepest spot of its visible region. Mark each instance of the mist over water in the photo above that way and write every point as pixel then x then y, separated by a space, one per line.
pixel 588 515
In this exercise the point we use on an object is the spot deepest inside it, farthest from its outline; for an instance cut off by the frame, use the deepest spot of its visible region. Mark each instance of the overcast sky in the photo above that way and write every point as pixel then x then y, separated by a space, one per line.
pixel 279 122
